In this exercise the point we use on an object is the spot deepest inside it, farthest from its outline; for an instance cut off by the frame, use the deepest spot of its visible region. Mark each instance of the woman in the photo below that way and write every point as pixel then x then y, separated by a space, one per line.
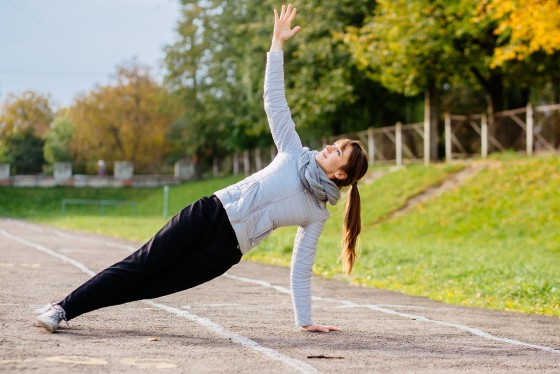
pixel 208 237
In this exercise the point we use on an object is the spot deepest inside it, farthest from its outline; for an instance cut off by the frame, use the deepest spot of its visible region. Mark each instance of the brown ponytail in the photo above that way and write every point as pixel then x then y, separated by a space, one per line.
pixel 355 169
pixel 352 228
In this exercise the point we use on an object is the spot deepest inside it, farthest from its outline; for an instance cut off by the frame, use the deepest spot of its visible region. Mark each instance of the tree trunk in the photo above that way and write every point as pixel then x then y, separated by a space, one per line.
pixel 496 91
pixel 495 103
pixel 555 119
pixel 556 90
pixel 431 114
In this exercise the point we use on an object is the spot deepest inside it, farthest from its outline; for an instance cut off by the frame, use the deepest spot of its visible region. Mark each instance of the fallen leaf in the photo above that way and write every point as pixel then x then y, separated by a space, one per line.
pixel 322 356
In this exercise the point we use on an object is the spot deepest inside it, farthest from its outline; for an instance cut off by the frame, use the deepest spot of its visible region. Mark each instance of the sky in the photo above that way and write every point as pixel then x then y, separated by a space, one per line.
pixel 64 48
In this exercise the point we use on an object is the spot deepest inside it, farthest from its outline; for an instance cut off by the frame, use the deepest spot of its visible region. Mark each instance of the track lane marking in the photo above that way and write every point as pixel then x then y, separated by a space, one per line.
pixel 205 322
pixel 342 303
pixel 377 308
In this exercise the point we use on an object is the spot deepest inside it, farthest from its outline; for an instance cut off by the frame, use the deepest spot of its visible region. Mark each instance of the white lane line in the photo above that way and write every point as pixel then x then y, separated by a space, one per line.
pixel 66 235
pixel 216 328
pixel 348 304
pixel 244 341
pixel 377 308
pixel 48 251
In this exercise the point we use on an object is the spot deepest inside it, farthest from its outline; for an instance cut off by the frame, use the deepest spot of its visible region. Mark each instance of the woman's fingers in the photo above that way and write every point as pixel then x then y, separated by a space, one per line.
pixel 292 15
pixel 287 13
pixel 321 328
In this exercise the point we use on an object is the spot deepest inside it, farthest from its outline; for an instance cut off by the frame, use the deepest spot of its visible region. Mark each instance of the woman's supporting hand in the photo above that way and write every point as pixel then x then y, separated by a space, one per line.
pixel 282 30
pixel 320 328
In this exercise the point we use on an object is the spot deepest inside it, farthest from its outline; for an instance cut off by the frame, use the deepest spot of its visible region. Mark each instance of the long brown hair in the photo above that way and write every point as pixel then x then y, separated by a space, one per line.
pixel 355 169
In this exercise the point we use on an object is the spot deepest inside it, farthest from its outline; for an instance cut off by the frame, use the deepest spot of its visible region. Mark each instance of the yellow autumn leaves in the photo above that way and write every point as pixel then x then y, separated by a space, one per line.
pixel 530 25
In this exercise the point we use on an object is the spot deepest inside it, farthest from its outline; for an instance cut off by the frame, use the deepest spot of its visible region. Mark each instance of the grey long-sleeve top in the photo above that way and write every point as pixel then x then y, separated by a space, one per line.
pixel 275 197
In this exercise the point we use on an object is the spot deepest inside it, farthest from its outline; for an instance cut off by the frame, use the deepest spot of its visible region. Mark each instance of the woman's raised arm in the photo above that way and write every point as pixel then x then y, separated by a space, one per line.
pixel 280 120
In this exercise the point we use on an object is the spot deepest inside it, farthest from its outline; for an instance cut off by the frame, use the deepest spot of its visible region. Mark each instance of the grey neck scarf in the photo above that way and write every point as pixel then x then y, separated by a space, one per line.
pixel 315 180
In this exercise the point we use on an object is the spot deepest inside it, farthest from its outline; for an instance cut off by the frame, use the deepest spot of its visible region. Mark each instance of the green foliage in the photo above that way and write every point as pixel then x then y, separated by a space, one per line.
pixel 216 67
pixel 418 45
pixel 24 152
pixel 327 93
pixel 57 141
pixel 24 122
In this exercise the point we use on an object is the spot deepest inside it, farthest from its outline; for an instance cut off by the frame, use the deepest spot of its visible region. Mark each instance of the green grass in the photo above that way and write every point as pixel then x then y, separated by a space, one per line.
pixel 43 205
pixel 492 242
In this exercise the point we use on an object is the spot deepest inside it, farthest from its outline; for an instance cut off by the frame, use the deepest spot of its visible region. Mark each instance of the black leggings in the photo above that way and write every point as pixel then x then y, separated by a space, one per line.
pixel 195 246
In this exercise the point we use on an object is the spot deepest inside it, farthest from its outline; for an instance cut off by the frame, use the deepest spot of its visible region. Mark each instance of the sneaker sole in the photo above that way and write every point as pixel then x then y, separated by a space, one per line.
pixel 47 327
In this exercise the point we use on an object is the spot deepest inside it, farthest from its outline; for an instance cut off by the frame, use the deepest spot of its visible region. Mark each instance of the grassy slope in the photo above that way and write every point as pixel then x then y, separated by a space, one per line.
pixel 492 242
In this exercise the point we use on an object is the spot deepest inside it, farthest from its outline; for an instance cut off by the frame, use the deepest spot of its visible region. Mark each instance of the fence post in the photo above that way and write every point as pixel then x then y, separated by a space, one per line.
pixel 4 172
pixel 529 129
pixel 398 145
pixel 215 167
pixel 235 163
pixel 258 161
pixel 371 146
pixel 165 201
pixel 483 135
pixel 246 162
pixel 426 132
pixel 448 155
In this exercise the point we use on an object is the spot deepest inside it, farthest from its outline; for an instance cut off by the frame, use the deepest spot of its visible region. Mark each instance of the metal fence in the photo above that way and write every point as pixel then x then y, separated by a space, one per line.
pixel 529 129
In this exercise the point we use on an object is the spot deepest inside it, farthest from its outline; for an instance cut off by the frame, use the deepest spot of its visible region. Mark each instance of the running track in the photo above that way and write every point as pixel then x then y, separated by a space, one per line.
pixel 243 322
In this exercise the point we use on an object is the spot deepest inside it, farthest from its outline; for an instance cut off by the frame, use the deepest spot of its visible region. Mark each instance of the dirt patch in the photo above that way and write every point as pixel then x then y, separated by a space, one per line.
pixel 434 191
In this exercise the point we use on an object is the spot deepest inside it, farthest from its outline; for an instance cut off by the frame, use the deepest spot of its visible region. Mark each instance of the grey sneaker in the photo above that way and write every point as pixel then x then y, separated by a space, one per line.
pixel 51 318
pixel 44 309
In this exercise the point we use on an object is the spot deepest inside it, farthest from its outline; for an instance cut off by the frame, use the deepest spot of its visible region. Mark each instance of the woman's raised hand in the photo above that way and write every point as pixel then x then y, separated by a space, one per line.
pixel 282 26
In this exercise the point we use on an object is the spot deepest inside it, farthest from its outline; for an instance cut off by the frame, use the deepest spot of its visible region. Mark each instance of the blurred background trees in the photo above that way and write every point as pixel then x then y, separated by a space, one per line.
pixel 24 124
pixel 123 121
pixel 355 64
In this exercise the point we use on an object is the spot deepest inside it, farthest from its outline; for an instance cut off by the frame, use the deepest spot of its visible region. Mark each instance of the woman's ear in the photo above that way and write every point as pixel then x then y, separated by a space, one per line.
pixel 340 175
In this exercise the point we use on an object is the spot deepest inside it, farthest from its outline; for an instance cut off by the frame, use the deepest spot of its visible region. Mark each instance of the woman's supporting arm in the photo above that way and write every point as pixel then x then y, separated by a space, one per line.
pixel 300 276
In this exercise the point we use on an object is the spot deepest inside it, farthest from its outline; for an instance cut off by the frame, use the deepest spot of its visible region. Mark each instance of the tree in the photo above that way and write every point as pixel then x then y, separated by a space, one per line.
pixel 217 67
pixel 329 93
pixel 57 142
pixel 407 46
pixel 24 122
pixel 29 111
pixel 530 35
pixel 188 63
pixel 24 152
pixel 124 121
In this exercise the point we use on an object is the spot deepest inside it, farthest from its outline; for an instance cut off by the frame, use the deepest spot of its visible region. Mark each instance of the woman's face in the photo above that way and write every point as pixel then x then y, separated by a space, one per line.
pixel 332 159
